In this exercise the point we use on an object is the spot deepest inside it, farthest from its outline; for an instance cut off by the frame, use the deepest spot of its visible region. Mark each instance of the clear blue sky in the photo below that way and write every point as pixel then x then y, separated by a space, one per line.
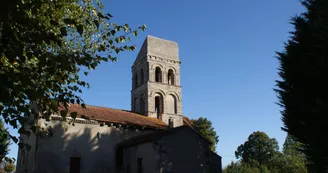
pixel 228 69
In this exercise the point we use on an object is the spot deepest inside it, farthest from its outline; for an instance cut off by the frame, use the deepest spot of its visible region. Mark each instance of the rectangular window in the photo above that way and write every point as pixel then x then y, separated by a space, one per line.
pixel 119 157
pixel 75 165
pixel 140 170
pixel 171 123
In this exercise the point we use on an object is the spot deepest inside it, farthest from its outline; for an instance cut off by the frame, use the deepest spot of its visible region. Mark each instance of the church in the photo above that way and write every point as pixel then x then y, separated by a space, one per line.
pixel 154 137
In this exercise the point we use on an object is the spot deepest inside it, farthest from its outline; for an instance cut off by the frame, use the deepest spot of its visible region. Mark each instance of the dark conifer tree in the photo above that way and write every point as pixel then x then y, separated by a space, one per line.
pixel 303 87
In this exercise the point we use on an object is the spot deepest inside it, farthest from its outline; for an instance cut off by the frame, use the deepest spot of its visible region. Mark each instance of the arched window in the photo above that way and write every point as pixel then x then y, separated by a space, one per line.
pixel 158 74
pixel 135 80
pixel 135 105
pixel 172 104
pixel 142 105
pixel 142 76
pixel 170 77
pixel 159 105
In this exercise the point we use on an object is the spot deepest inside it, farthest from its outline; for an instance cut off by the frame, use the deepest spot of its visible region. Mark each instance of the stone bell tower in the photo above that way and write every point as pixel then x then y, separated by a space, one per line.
pixel 156 89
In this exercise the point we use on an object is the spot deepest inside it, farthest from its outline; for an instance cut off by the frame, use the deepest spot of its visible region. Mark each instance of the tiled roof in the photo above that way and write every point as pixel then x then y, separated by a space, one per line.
pixel 188 122
pixel 150 136
pixel 153 136
pixel 115 116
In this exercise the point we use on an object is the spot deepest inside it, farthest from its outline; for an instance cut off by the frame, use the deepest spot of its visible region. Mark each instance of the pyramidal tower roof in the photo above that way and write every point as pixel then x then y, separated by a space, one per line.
pixel 159 47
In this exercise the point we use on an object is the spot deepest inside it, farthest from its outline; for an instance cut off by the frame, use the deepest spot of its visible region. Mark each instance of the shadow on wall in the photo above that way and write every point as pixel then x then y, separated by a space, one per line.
pixel 186 152
pixel 86 147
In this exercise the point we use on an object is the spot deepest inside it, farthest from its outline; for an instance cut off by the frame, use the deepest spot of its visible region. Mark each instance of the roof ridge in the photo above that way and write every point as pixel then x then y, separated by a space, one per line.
pixel 128 111
pixel 106 107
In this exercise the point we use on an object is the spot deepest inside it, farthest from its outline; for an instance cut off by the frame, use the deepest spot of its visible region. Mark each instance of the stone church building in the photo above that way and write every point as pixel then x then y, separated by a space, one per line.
pixel 154 137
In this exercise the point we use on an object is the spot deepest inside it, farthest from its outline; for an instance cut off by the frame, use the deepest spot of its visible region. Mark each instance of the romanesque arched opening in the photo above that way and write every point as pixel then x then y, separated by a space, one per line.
pixel 142 76
pixel 159 105
pixel 171 104
pixel 135 105
pixel 135 80
pixel 142 105
pixel 170 77
pixel 158 74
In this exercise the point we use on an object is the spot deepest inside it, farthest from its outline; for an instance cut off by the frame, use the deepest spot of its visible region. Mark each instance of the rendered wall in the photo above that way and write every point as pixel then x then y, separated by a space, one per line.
pixel 95 145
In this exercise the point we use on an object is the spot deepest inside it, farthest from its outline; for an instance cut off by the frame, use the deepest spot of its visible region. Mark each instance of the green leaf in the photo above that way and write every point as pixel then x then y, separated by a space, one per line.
pixel 15 139
pixel 117 39
pixel 63 113
pixel 102 16
pixel 80 29
pixel 96 22
pixel 135 33
pixel 86 73
pixel 109 15
pixel 143 27
pixel 113 32
pixel 74 115
pixel 63 31
pixel 122 39
pixel 117 50
pixel 69 21
pixel 88 22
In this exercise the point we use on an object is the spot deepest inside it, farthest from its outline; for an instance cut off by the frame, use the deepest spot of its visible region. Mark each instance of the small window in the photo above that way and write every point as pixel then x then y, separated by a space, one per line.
pixel 135 80
pixel 158 74
pixel 75 165
pixel 171 123
pixel 170 77
pixel 119 157
pixel 142 105
pixel 159 105
pixel 135 104
pixel 142 77
pixel 140 170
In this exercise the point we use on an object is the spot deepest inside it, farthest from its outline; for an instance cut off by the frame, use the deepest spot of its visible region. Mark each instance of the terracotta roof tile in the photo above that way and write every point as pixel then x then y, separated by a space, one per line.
pixel 188 122
pixel 152 136
pixel 115 116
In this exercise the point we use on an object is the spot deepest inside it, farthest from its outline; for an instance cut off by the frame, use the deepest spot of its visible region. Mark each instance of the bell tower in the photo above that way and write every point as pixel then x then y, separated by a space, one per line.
pixel 156 89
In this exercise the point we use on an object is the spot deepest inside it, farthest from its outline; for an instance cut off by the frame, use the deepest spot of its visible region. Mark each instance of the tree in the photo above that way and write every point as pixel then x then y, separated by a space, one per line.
pixel 241 167
pixel 292 159
pixel 260 154
pixel 302 89
pixel 292 147
pixel 45 47
pixel 258 149
pixel 8 166
pixel 204 128
pixel 4 141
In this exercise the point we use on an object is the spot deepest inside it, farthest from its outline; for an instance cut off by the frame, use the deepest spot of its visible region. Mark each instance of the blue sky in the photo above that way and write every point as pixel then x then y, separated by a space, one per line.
pixel 228 69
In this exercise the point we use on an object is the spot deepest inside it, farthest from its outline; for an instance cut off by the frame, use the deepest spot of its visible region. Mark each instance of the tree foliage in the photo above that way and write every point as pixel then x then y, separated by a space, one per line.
pixel 8 166
pixel 44 48
pixel 259 148
pixel 292 147
pixel 4 141
pixel 302 89
pixel 241 167
pixel 252 154
pixel 205 128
